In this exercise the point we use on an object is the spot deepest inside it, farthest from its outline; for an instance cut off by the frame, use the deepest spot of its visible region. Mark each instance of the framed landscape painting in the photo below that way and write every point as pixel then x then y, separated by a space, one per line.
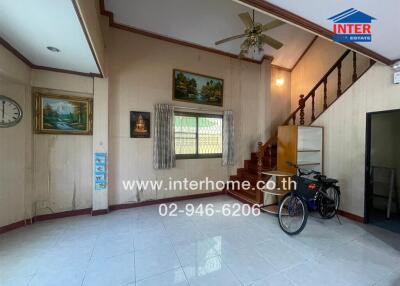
pixel 140 124
pixel 61 114
pixel 197 88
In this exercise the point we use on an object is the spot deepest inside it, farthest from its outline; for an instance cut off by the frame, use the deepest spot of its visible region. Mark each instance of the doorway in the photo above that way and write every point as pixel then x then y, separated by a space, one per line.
pixel 382 196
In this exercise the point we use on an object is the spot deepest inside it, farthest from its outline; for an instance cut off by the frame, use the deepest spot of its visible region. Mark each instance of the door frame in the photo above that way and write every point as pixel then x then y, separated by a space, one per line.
pixel 367 189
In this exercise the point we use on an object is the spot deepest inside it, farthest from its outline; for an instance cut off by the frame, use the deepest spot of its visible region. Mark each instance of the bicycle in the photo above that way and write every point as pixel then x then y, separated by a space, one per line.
pixel 314 192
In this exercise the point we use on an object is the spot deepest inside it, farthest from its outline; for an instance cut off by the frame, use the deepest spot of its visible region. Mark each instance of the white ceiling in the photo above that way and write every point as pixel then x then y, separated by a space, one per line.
pixel 385 30
pixel 205 21
pixel 30 26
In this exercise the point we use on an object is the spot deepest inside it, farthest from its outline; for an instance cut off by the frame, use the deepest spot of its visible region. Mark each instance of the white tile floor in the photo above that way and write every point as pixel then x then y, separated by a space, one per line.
pixel 138 247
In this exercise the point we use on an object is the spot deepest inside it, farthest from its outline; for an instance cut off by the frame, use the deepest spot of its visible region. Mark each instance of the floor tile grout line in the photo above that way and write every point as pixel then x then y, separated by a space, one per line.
pixel 233 273
pixel 180 263
pixel 87 265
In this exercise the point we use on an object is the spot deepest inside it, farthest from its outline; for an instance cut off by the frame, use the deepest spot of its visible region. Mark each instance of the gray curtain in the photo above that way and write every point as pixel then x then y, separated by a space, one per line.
pixel 164 133
pixel 228 148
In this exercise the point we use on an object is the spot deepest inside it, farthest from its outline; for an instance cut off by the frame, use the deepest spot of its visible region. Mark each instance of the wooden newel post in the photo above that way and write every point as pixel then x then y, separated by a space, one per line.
pixel 302 105
pixel 260 156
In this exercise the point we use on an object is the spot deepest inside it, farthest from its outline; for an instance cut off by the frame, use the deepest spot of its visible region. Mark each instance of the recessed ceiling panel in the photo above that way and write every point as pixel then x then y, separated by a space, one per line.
pixel 31 26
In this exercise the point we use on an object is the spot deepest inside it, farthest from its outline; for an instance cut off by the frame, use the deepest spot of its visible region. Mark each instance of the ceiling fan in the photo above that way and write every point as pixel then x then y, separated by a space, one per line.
pixel 254 35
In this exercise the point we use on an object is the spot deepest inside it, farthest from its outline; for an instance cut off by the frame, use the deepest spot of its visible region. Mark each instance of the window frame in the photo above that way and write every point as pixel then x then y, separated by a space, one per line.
pixel 197 155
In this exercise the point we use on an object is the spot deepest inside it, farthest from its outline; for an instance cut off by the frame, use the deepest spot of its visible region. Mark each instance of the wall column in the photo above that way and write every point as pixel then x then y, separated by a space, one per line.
pixel 100 142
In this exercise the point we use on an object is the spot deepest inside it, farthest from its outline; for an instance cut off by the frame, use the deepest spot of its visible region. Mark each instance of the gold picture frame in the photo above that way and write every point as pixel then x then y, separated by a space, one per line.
pixel 197 88
pixel 55 113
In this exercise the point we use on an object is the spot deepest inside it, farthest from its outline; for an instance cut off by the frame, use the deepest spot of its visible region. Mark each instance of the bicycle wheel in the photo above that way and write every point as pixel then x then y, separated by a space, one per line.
pixel 328 202
pixel 293 214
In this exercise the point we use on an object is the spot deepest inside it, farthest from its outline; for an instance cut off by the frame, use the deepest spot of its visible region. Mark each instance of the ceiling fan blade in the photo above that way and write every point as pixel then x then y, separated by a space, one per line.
pixel 272 42
pixel 246 19
pixel 271 25
pixel 230 39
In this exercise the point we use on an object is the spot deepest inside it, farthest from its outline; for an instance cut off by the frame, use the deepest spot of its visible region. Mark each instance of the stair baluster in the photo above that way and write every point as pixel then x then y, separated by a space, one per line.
pixel 325 94
pixel 313 106
pixel 302 105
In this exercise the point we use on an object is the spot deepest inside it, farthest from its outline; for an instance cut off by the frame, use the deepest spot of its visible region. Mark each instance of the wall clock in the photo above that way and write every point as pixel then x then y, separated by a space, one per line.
pixel 10 112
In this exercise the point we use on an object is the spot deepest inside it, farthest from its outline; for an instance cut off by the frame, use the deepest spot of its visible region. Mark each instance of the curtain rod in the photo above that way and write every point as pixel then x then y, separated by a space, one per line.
pixel 199 109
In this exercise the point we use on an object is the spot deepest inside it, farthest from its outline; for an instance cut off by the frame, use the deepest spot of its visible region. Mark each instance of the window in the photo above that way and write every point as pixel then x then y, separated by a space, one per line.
pixel 198 135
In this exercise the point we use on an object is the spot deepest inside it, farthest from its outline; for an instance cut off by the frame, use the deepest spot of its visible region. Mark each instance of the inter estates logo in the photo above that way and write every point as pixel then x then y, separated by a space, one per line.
pixel 352 26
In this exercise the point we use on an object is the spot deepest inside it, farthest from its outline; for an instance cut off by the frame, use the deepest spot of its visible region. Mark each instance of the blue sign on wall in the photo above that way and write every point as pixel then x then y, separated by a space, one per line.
pixel 100 171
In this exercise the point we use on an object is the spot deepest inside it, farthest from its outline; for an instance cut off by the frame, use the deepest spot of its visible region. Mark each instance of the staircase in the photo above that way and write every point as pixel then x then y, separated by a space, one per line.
pixel 265 158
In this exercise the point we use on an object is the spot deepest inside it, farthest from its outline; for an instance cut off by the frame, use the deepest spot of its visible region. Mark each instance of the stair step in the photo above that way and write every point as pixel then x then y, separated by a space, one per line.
pixel 254 159
pixel 274 152
pixel 248 164
pixel 243 197
pixel 253 168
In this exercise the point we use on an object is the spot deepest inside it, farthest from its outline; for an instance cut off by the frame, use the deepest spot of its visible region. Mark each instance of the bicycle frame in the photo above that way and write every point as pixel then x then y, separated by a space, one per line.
pixel 311 190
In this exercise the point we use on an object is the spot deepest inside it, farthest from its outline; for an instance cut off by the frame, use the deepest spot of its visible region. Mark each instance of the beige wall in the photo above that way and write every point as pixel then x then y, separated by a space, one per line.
pixel 53 173
pixel 63 163
pixel 141 76
pixel 15 142
pixel 280 97
pixel 344 132
pixel 41 173
pixel 15 158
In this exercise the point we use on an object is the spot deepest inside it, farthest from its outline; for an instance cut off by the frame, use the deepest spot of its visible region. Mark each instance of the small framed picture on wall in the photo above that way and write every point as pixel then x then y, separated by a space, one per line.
pixel 140 124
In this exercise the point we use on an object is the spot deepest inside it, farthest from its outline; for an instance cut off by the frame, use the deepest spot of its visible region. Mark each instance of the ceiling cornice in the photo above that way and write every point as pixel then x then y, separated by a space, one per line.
pixel 310 26
pixel 17 54
pixel 135 30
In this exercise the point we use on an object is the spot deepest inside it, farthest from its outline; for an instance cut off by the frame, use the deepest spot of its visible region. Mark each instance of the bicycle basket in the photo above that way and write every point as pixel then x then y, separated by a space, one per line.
pixel 306 188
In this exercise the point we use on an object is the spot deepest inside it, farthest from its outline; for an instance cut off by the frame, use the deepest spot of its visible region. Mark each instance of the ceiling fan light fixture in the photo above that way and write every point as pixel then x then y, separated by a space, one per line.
pixel 53 49
pixel 255 39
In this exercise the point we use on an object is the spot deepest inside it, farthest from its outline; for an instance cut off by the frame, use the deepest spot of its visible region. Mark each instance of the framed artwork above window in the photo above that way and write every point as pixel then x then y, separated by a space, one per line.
pixel 197 88
pixel 198 135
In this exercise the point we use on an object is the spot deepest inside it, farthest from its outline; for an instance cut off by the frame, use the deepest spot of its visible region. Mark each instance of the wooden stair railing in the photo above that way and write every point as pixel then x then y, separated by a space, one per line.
pixel 266 156
pixel 292 118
